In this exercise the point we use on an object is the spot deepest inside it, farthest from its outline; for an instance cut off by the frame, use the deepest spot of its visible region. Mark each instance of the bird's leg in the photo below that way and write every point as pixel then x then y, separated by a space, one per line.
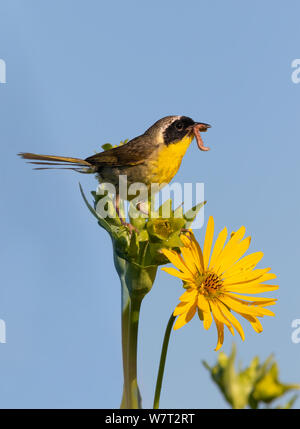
pixel 123 221
pixel 187 232
pixel 143 208
pixel 117 201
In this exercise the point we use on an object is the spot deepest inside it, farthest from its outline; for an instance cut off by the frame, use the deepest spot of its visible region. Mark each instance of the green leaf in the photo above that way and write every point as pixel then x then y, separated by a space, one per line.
pixel 173 241
pixel 157 257
pixel 269 388
pixel 107 146
pixel 178 212
pixel 138 222
pixel 191 214
pixel 133 249
pixel 162 229
pixel 102 222
pixel 93 211
pixel 165 208
pixel 256 384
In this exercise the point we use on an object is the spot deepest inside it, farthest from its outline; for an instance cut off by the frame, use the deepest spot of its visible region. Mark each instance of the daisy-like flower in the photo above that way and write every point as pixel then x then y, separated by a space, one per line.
pixel 217 279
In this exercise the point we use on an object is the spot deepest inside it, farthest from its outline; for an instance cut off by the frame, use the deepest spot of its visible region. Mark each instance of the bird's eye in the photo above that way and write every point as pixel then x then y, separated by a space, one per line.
pixel 179 126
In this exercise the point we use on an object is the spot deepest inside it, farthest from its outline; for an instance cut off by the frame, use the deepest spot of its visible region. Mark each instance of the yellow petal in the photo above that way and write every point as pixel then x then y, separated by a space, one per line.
pixel 219 316
pixel 252 289
pixel 220 329
pixel 261 311
pixel 191 313
pixel 233 320
pixel 180 322
pixel 200 314
pixel 189 295
pixel 203 303
pixel 208 241
pixel 229 246
pixel 182 307
pixel 196 249
pixel 236 253
pixel 179 274
pixel 189 259
pixel 255 323
pixel 255 300
pixel 259 275
pixel 238 235
pixel 266 304
pixel 176 260
pixel 207 320
pixel 243 307
pixel 184 318
pixel 247 263
pixel 219 244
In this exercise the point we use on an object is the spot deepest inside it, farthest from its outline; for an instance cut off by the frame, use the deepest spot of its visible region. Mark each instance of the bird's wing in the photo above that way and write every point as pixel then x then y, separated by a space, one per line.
pixel 132 153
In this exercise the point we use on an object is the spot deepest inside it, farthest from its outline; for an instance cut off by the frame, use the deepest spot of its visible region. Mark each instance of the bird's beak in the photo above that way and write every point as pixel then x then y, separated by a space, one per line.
pixel 202 126
pixel 196 128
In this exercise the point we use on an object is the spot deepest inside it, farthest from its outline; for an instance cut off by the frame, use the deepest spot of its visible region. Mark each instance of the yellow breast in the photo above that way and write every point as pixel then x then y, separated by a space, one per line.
pixel 167 163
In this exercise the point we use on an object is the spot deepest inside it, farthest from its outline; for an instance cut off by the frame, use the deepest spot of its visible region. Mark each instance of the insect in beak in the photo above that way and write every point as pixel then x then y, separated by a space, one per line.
pixel 196 128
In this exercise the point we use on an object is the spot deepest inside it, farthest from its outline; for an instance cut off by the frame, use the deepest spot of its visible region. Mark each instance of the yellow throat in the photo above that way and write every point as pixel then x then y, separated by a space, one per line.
pixel 168 161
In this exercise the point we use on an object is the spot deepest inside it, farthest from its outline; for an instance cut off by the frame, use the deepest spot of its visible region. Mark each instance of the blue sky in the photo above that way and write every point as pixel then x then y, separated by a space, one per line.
pixel 83 73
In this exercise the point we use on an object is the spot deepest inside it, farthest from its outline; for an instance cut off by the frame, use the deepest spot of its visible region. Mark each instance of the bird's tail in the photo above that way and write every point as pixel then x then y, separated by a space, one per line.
pixel 76 164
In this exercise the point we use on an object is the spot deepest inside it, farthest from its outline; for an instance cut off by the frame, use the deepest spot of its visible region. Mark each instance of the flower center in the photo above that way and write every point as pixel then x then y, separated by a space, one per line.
pixel 210 284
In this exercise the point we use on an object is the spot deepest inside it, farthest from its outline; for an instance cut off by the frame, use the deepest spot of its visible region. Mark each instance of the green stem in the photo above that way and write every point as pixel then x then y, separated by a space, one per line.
pixel 121 266
pixel 133 395
pixel 125 308
pixel 136 282
pixel 162 362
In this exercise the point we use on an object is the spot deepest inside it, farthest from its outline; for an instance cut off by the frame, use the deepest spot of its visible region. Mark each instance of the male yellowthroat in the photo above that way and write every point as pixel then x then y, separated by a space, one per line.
pixel 153 157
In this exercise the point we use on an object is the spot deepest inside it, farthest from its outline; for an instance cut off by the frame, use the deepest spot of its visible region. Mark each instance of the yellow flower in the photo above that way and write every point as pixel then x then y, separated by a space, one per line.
pixel 215 280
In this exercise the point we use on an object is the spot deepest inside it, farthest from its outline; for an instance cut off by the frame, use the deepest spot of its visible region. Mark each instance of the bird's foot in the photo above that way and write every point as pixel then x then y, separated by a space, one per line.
pixel 187 232
pixel 143 208
pixel 129 226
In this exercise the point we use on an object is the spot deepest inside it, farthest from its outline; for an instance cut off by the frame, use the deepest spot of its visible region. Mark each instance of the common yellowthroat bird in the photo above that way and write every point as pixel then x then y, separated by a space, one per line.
pixel 153 157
